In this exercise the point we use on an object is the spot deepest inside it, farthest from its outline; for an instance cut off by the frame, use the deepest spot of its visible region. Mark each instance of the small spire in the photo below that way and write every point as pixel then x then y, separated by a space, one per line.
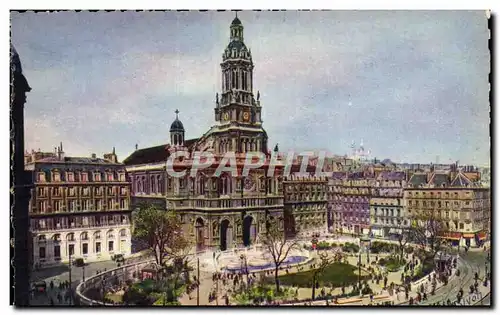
pixel 60 145
pixel 136 146
pixel 113 150
pixel 176 114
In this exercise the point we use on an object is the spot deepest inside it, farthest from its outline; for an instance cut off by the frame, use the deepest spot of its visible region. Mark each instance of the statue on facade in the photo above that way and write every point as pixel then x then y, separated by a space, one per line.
pixel 258 96
pixel 217 98
pixel 233 98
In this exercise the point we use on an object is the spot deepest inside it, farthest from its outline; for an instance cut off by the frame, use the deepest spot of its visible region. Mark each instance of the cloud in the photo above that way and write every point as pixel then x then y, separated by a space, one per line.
pixel 416 79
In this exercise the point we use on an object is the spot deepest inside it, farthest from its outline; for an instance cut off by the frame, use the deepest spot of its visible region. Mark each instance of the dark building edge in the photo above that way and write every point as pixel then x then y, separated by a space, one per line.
pixel 20 182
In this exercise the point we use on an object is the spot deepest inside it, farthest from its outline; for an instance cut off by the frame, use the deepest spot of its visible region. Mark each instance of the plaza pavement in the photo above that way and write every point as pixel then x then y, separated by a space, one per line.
pixel 60 274
pixel 471 262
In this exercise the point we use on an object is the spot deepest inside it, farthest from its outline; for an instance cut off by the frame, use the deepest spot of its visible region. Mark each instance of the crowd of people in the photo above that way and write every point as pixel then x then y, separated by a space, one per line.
pixel 55 293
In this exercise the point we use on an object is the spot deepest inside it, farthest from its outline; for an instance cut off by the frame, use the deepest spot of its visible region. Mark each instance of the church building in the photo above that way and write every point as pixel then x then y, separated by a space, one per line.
pixel 218 211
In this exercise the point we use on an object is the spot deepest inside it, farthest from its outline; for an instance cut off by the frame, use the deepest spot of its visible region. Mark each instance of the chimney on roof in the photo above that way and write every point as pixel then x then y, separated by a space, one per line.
pixel 94 156
pixel 60 152
pixel 112 157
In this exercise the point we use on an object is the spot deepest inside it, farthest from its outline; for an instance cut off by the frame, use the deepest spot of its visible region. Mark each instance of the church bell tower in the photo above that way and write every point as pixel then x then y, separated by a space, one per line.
pixel 237 107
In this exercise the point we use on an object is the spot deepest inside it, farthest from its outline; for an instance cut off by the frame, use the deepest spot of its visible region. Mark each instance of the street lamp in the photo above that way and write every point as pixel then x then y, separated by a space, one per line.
pixel 83 272
pixel 359 271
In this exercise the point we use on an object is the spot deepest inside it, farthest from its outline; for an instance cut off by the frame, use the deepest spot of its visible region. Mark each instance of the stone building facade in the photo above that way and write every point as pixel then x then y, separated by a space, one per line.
pixel 306 205
pixel 463 206
pixel 387 215
pixel 79 207
pixel 356 191
pixel 335 201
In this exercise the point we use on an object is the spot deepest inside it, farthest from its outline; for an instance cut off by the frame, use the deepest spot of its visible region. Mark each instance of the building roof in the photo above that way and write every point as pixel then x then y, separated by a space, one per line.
pixel 439 179
pixel 356 175
pixel 461 180
pixel 75 160
pixel 339 175
pixel 418 179
pixel 153 154
pixel 386 175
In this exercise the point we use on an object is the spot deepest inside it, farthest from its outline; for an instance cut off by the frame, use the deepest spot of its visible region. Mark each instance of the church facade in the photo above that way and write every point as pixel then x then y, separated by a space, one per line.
pixel 232 208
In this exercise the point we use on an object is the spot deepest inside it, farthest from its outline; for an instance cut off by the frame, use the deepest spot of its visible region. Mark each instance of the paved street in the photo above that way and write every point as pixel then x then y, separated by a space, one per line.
pixel 472 262
pixel 469 263
pixel 60 274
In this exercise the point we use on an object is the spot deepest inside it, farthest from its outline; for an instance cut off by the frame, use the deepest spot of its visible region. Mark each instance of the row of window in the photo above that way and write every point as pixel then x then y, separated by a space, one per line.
pixel 432 203
pixel 78 222
pixel 56 206
pixel 357 219
pixel 84 249
pixel 84 236
pixel 387 212
pixel 438 194
pixel 237 79
pixel 56 176
pixel 43 192
pixel 388 221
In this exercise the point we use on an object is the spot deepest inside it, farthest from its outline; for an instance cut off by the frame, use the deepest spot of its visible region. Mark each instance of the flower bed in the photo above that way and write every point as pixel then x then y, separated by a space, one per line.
pixel 336 274
pixel 391 263
pixel 263 293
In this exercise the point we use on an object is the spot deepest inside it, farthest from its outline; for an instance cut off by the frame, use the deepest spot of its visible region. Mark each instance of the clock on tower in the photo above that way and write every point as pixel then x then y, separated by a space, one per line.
pixel 246 116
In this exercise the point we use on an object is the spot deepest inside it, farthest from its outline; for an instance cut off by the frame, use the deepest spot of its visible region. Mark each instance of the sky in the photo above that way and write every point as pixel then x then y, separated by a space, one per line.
pixel 412 85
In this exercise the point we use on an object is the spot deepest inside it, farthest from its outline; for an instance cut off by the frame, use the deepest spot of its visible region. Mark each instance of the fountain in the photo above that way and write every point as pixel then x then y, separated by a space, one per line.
pixel 253 259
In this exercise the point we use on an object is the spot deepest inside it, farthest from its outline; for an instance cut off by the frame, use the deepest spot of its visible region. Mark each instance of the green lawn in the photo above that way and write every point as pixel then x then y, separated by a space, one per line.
pixel 336 274
pixel 117 298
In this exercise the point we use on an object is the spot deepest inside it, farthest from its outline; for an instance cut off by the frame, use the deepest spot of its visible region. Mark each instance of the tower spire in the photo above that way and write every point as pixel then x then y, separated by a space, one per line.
pixel 176 114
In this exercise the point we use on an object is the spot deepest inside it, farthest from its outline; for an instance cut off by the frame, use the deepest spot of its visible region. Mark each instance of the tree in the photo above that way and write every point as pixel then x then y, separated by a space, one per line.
pixel 325 261
pixel 275 242
pixel 403 240
pixel 427 229
pixel 162 231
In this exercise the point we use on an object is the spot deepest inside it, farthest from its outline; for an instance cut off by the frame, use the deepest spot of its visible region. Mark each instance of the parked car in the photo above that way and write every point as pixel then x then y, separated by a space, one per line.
pixel 40 286
pixel 79 262
pixel 118 258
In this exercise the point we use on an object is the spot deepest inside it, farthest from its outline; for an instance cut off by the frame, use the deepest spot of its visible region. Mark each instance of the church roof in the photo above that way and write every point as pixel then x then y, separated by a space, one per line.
pixel 237 44
pixel 177 126
pixel 153 154
pixel 236 21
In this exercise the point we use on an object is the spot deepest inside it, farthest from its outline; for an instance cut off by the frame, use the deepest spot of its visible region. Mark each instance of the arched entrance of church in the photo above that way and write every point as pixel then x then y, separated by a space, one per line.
pixel 226 235
pixel 249 231
pixel 200 237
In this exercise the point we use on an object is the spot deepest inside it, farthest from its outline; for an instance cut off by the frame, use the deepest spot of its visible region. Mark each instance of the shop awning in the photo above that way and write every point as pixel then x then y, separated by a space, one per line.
pixel 482 236
pixel 395 231
pixel 452 236
pixel 468 235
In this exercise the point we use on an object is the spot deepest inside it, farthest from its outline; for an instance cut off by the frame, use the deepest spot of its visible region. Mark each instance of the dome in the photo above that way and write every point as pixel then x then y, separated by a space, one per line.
pixel 238 45
pixel 236 21
pixel 176 125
